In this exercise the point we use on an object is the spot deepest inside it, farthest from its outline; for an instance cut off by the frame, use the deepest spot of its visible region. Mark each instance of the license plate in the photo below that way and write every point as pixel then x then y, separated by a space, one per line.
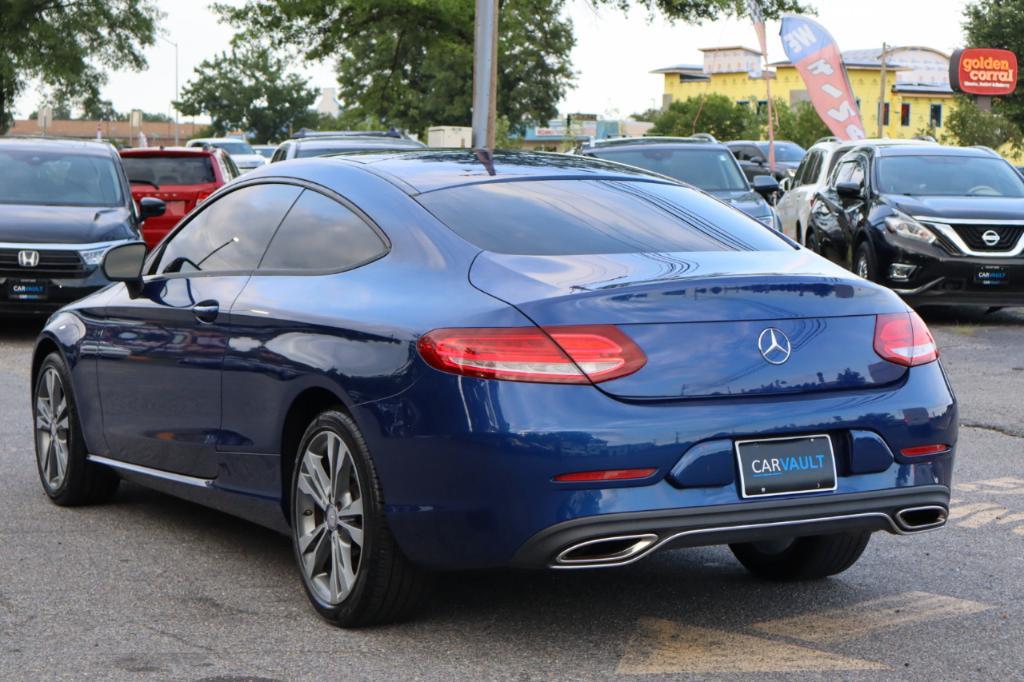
pixel 26 290
pixel 991 275
pixel 783 466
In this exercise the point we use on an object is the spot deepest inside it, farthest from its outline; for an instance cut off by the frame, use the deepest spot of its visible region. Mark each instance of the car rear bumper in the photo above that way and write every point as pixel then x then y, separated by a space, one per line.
pixel 620 539
pixel 468 466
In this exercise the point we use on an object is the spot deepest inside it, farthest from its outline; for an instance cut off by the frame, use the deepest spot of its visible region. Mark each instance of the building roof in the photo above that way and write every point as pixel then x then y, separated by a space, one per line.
pixel 856 59
pixel 681 68
pixel 922 88
pixel 729 48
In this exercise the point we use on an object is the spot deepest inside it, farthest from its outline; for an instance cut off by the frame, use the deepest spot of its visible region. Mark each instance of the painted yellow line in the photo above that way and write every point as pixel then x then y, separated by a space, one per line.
pixel 982 518
pixel 968 509
pixel 663 647
pixel 865 618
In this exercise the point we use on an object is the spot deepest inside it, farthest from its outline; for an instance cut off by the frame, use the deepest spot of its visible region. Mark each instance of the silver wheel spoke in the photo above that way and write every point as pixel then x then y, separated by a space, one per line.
pixel 43 416
pixel 356 534
pixel 315 557
pixel 53 426
pixel 353 509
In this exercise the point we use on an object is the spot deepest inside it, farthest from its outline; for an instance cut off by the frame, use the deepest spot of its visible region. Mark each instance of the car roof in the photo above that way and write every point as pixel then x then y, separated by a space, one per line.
pixel 168 151
pixel 42 144
pixel 426 170
pixel 700 145
pixel 353 142
pixel 758 142
pixel 933 150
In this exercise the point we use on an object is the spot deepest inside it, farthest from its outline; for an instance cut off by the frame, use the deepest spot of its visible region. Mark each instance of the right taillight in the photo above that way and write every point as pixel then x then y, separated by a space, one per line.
pixel 561 355
pixel 903 338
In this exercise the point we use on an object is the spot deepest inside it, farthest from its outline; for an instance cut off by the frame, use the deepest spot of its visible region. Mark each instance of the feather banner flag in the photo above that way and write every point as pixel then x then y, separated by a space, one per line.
pixel 815 55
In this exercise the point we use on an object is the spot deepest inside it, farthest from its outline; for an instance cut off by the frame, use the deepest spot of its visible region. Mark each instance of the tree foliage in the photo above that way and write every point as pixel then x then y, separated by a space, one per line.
pixel 68 45
pixel 997 23
pixel 715 114
pixel 800 123
pixel 249 88
pixel 409 63
pixel 698 11
pixel 967 125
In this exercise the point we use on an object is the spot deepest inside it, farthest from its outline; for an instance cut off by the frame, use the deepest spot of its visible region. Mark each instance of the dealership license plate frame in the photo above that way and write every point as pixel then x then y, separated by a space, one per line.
pixel 819 488
pixel 42 295
pixel 982 278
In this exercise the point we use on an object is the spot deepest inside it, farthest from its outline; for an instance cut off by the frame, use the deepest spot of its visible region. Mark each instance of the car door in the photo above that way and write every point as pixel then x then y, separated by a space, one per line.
pixel 838 218
pixel 162 346
pixel 796 196
pixel 321 258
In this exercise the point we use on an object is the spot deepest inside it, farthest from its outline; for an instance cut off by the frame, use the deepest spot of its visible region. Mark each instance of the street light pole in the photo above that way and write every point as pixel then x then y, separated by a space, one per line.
pixel 177 93
pixel 485 73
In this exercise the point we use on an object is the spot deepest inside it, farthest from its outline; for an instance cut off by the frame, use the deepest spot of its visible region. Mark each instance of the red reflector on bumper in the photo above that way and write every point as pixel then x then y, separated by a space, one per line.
pixel 921 450
pixel 606 475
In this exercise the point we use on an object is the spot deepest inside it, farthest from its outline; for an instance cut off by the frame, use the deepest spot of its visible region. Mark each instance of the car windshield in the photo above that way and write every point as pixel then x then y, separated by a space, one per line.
pixel 58 178
pixel 577 217
pixel 233 146
pixel 169 170
pixel 713 170
pixel 954 176
pixel 784 151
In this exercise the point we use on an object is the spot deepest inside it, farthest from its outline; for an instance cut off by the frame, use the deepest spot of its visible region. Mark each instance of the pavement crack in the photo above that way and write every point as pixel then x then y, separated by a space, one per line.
pixel 1012 433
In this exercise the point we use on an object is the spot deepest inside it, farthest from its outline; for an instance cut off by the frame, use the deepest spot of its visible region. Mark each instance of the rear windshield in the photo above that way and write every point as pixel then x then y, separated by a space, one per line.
pixel 952 176
pixel 713 170
pixel 169 170
pixel 56 178
pixel 576 217
pixel 784 151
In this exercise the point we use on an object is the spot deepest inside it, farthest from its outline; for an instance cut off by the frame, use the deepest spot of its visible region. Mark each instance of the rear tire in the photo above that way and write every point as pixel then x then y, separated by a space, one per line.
pixel 352 569
pixel 68 478
pixel 807 558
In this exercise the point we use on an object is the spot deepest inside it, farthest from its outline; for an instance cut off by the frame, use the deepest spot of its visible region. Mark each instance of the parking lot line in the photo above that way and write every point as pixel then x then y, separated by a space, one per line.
pixel 858 620
pixel 661 646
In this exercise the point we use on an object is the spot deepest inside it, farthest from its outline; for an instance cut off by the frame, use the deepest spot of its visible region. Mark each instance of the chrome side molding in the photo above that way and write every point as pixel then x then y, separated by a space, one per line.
pixel 154 473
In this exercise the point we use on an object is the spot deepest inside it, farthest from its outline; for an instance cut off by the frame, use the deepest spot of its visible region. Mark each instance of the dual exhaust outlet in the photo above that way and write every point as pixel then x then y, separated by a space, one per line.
pixel 618 550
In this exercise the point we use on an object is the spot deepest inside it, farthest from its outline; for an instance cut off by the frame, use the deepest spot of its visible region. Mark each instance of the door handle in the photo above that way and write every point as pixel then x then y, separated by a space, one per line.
pixel 206 311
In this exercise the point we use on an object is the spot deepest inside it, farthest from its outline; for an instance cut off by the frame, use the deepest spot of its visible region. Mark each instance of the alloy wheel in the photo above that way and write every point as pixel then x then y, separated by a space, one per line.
pixel 329 517
pixel 52 428
pixel 862 268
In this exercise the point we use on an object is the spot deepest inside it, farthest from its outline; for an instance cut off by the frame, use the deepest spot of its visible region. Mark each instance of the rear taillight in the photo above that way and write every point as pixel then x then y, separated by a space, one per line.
pixel 903 338
pixel 924 450
pixel 561 355
pixel 605 475
pixel 202 196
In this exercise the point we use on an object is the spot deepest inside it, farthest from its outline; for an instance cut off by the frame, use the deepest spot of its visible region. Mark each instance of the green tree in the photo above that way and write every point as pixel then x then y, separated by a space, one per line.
pixel 715 114
pixel 967 125
pixel 69 45
pixel 249 88
pixel 409 63
pixel 95 108
pixel 997 23
pixel 698 11
pixel 800 123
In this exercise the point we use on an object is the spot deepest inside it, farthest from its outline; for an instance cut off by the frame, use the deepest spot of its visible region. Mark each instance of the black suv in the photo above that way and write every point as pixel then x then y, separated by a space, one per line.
pixel 753 158
pixel 937 224
pixel 62 205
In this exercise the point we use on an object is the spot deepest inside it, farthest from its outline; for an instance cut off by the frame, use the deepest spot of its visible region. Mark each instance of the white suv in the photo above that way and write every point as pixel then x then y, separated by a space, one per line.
pixel 244 156
pixel 795 205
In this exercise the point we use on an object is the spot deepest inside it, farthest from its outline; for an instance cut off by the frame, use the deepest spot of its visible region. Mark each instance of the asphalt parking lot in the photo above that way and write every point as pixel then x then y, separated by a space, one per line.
pixel 152 587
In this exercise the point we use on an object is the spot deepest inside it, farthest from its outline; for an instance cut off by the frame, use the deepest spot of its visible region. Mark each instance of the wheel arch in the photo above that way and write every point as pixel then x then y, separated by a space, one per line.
pixel 303 409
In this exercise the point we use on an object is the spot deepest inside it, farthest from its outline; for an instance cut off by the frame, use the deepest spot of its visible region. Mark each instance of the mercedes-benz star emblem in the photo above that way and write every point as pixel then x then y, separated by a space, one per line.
pixel 28 259
pixel 990 237
pixel 774 346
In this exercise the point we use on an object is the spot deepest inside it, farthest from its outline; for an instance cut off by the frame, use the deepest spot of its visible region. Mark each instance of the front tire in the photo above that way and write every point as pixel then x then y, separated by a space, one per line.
pixel 864 262
pixel 352 569
pixel 68 478
pixel 807 558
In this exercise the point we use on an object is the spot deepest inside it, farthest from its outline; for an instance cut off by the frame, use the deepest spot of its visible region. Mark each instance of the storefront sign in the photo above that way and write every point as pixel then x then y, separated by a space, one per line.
pixel 983 71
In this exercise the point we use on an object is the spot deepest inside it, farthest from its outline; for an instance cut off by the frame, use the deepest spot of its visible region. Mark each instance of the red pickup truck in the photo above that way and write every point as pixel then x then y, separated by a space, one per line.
pixel 181 177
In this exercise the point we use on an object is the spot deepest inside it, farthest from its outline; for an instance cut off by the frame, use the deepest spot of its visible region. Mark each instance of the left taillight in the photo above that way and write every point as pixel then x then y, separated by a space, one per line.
pixel 560 355
pixel 903 338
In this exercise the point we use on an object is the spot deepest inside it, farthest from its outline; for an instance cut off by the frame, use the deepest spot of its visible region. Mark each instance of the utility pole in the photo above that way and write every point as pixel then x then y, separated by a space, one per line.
pixel 485 73
pixel 177 92
pixel 881 93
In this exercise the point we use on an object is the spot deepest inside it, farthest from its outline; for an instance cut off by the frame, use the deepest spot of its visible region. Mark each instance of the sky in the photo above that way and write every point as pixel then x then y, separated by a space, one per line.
pixel 613 57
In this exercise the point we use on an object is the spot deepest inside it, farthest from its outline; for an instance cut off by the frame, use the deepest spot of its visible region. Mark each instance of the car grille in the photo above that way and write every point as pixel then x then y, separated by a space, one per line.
pixel 53 263
pixel 1009 235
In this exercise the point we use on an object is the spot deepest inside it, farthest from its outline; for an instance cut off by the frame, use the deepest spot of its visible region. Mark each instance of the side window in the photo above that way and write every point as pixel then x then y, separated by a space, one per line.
pixel 230 234
pixel 803 171
pixel 738 153
pixel 279 154
pixel 320 234
pixel 814 169
pixel 845 172
pixel 230 163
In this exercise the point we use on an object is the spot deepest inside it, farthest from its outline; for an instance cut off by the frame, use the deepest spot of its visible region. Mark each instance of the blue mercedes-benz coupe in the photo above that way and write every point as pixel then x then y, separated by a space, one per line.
pixel 429 360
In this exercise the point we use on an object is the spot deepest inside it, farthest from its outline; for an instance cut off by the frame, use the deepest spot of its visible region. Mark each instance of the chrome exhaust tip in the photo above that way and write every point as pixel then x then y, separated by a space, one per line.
pixel 914 519
pixel 605 551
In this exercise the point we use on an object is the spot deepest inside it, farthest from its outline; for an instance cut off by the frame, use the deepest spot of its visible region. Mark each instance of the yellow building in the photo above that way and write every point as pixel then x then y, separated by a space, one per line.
pixel 917 92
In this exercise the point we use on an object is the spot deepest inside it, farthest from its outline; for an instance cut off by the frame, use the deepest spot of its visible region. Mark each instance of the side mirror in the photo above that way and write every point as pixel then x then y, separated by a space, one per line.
pixel 765 185
pixel 124 262
pixel 849 190
pixel 151 207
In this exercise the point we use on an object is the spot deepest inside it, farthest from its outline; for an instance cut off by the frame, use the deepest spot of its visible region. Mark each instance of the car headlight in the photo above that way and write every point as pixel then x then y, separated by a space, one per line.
pixel 93 256
pixel 905 226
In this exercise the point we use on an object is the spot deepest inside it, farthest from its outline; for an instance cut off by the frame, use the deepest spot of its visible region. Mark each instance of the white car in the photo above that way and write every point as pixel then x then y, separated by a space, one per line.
pixel 795 205
pixel 244 156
